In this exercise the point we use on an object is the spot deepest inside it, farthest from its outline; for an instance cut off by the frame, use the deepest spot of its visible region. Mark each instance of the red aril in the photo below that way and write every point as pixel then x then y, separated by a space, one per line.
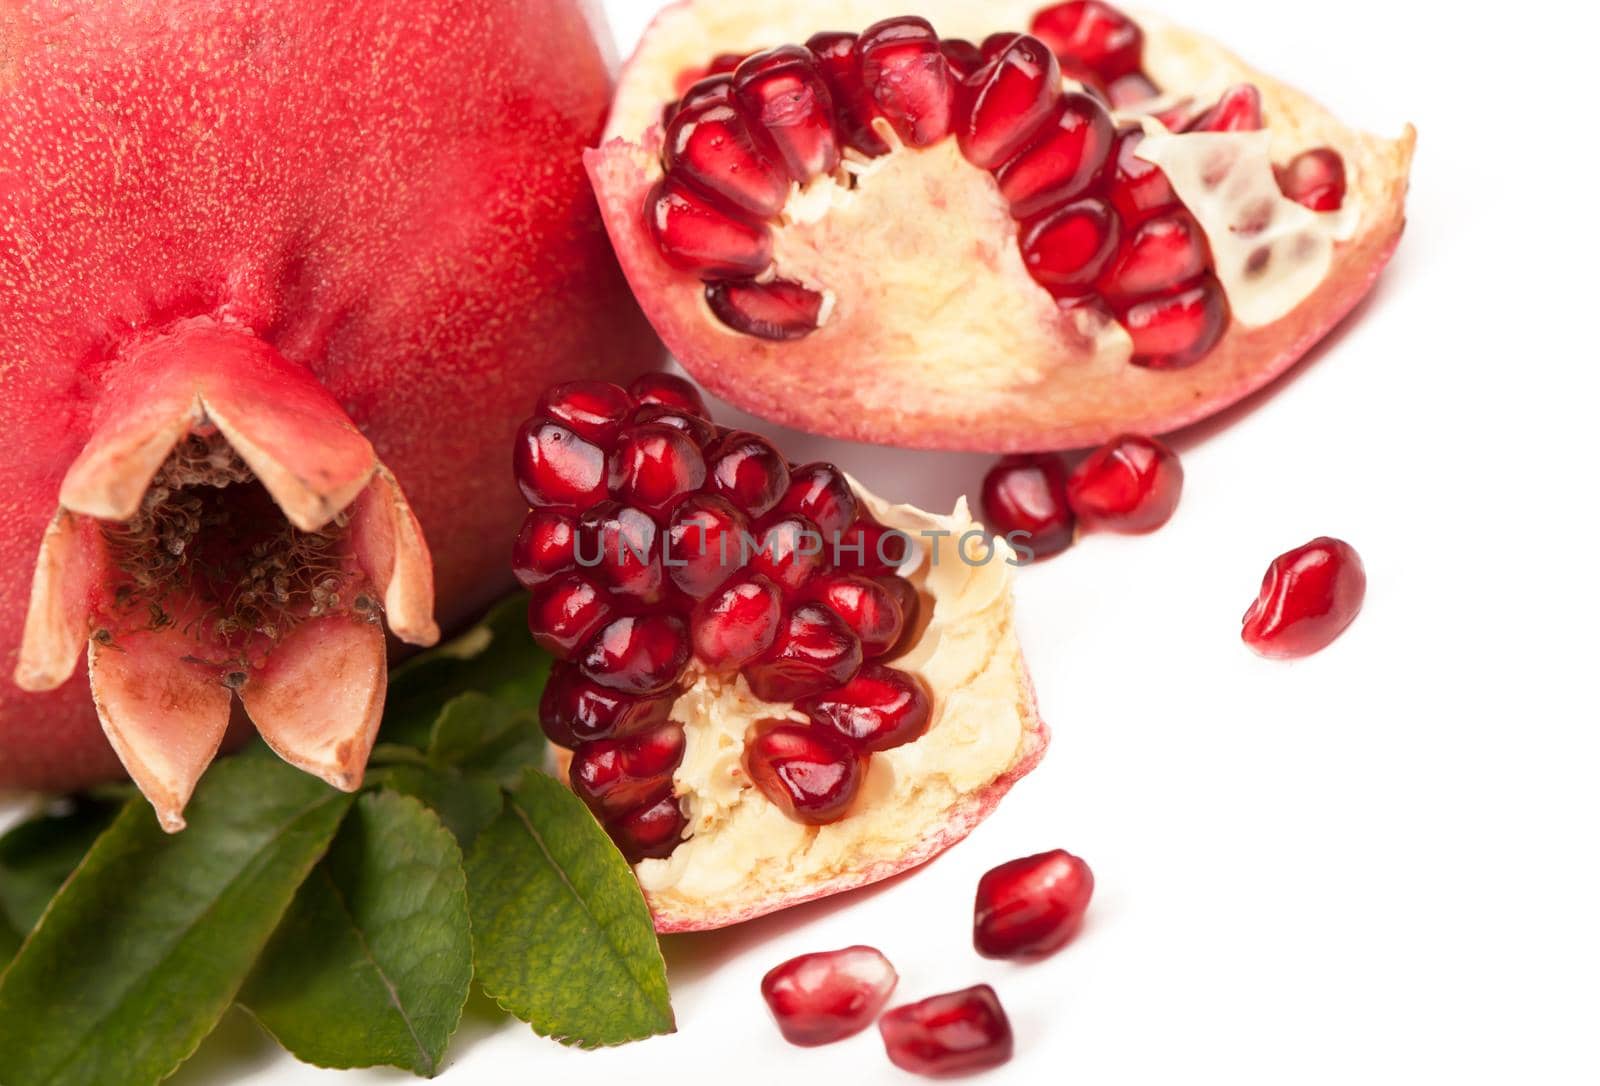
pixel 673 393
pixel 1163 254
pixel 575 710
pixel 839 60
pixel 1096 38
pixel 1176 330
pixel 567 611
pixel 1308 596
pixel 699 234
pixel 1238 110
pixel 615 776
pixel 868 607
pixel 1030 908
pixel 810 773
pixel 870 547
pixel 964 57
pixel 698 429
pixel 952 1034
pixel 748 471
pixel 1314 179
pixel 783 91
pixel 817 999
pixel 1130 484
pixel 651 832
pixel 1009 103
pixel 820 493
pixel 814 651
pixel 620 546
pixel 779 309
pixel 1063 162
pixel 1067 250
pixel 543 547
pixel 638 654
pixel 789 550
pixel 1025 502
pixel 556 467
pixel 654 465
pixel 737 623
pixel 594 410
pixel 714 147
pixel 880 709
pixel 908 79
pixel 1138 188
pixel 704 543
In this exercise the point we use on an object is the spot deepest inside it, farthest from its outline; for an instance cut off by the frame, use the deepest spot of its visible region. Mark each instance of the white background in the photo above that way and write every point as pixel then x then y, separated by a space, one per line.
pixel 1377 865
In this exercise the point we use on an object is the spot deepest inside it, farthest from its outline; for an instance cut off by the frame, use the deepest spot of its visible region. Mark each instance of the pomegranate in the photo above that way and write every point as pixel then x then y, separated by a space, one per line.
pixel 951 1034
pixel 770 685
pixel 817 999
pixel 1024 499
pixel 1308 596
pixel 1030 908
pixel 1130 484
pixel 273 273
pixel 1087 226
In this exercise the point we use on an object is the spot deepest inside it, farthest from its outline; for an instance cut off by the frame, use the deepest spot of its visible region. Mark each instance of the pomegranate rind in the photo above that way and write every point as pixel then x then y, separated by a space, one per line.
pixel 1027 382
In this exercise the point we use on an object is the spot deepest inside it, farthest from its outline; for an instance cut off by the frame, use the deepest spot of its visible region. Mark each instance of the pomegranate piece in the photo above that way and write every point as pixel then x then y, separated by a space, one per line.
pixel 594 410
pixel 713 146
pixel 621 547
pixel 817 999
pixel 880 709
pixel 673 393
pixel 1163 254
pixel 737 623
pixel 654 466
pixel 784 92
pixel 908 78
pixel 839 60
pixel 1066 159
pixel 868 607
pixel 1238 110
pixel 575 710
pixel 1092 38
pixel 1308 596
pixel 814 652
pixel 1130 484
pixel 554 466
pixel 1067 250
pixel 820 493
pixel 543 547
pixel 638 654
pixel 1025 502
pixel 749 472
pixel 1314 179
pixel 650 832
pixel 790 551
pixel 615 776
pixel 699 234
pixel 704 543
pixel 1176 330
pixel 566 612
pixel 950 1034
pixel 1030 908
pixel 964 57
pixel 1014 96
pixel 810 774
pixel 778 310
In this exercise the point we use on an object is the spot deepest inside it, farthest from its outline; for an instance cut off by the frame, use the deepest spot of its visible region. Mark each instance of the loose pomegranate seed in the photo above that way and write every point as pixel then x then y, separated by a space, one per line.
pixel 778 310
pixel 699 234
pixel 715 147
pixel 1030 908
pixel 1130 90
pixel 810 774
pixel 908 78
pixel 1308 597
pixel 964 57
pixel 1161 255
pixel 665 390
pixel 554 466
pixel 817 999
pixel 543 547
pixel 649 833
pixel 737 623
pixel 594 410
pixel 820 493
pixel 621 546
pixel 655 465
pixel 784 92
pixel 638 654
pixel 814 652
pixel 573 710
pixel 615 776
pixel 1013 98
pixel 948 1034
pixel 701 432
pixel 1138 188
pixel 1177 330
pixel 1314 178
pixel 790 550
pixel 838 58
pixel 568 610
pixel 704 543
pixel 881 708
pixel 1065 160
pixel 1067 250
pixel 1238 110
pixel 1130 484
pixel 869 608
pixel 1025 497
pixel 869 547
pixel 748 471
pixel 1095 37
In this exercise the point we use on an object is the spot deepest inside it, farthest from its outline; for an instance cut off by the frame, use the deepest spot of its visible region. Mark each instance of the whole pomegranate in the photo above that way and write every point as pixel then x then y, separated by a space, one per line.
pixel 278 280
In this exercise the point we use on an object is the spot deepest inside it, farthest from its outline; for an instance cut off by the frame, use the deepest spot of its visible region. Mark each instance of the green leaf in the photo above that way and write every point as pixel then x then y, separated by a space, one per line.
pixel 476 732
pixel 10 940
pixel 373 962
pixel 37 856
pixel 464 802
pixel 561 935
pixel 139 955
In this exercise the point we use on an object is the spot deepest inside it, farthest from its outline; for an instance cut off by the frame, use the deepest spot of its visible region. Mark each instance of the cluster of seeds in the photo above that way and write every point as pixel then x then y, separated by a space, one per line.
pixel 657 543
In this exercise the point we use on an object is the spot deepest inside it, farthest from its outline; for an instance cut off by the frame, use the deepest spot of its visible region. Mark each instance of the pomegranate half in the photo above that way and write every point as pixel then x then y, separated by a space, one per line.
pixel 276 281
pixel 1006 227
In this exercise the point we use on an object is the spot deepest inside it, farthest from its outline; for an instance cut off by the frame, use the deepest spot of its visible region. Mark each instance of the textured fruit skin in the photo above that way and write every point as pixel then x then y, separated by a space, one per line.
pixel 1308 596
pixel 270 172
pixel 1031 907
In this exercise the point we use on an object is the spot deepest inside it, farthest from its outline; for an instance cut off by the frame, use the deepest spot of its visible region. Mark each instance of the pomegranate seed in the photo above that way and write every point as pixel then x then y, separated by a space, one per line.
pixel 698 234
pixel 1138 188
pixel 566 612
pixel 964 57
pixel 788 549
pixel 748 471
pixel 1162 254
pixel 650 832
pixel 784 92
pixel 881 708
pixel 910 602
pixel 716 148
pixel 870 609
pixel 665 390
pixel 871 548
pixel 948 1034
pixel 810 774
pixel 1025 502
pixel 1314 178
pixel 594 410
pixel 724 62
pixel 908 78
pixel 1130 484
pixel 1067 250
pixel 838 59
pixel 1238 110
pixel 1130 90
pixel 737 623
pixel 817 999
pixel 554 466
pixel 573 710
pixel 1096 37
pixel 996 43
pixel 704 543
pixel 620 545
pixel 1030 908
pixel 614 776
pixel 654 465
pixel 638 654
pixel 820 493
pixel 543 547
pixel 778 310
pixel 1176 330
pixel 814 652
pixel 1014 97
pixel 1308 597
pixel 711 89
pixel 1065 160
pixel 701 432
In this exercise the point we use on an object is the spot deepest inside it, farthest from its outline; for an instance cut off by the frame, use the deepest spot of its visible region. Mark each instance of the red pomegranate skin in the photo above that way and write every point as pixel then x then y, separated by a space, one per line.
pixel 389 192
